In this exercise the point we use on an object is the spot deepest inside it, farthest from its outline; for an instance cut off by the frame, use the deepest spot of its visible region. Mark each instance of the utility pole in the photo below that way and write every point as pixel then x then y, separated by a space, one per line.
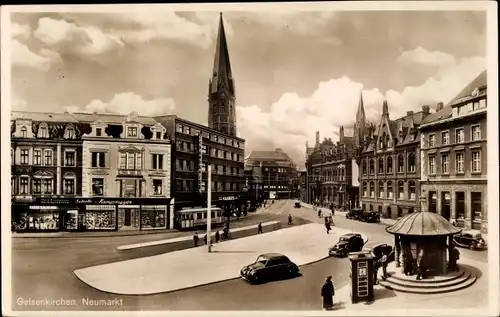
pixel 209 209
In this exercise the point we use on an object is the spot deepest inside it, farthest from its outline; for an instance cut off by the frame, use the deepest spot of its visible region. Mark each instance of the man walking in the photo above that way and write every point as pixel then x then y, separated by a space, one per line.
pixel 327 292
pixel 217 236
pixel 289 219
pixel 205 239
pixel 259 228
pixel 383 262
pixel 196 239
pixel 420 265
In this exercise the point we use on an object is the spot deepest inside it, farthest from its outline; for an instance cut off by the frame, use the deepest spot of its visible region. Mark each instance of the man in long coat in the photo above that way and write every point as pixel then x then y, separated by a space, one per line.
pixel 327 292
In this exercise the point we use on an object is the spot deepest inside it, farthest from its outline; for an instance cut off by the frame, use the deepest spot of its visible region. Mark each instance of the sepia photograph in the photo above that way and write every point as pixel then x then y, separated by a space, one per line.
pixel 319 159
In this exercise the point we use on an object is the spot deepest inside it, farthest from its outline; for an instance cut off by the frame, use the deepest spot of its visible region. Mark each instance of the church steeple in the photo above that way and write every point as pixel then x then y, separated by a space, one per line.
pixel 221 91
pixel 360 125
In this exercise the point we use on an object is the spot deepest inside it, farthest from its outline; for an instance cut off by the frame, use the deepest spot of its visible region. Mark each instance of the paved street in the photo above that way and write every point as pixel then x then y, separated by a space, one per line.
pixel 33 264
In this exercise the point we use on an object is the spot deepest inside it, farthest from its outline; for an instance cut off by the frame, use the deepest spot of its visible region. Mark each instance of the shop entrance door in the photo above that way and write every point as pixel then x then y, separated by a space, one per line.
pixel 446 205
pixel 128 215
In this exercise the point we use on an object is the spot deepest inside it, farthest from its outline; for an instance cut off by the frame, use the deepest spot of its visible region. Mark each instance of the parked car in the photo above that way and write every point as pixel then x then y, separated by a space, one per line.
pixel 370 216
pixel 269 266
pixel 351 242
pixel 379 249
pixel 471 239
pixel 297 204
pixel 354 213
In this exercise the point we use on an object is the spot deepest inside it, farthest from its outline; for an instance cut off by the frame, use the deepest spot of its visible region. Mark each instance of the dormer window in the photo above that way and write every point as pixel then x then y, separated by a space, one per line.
pixel 70 133
pixel 24 132
pixel 43 132
pixel 158 135
pixel 98 131
pixel 132 132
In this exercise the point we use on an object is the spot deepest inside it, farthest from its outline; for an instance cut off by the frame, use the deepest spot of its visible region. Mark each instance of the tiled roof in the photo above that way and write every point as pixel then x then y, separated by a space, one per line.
pixel 268 156
pixel 42 116
pixel 111 118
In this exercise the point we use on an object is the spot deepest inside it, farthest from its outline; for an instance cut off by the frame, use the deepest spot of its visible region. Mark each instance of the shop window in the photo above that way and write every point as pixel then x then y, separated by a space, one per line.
pixel 389 165
pixel 460 205
pixel 97 187
pixel 459 162
pixel 401 164
pixel 476 207
pixel 411 162
pixel 69 158
pixel 157 186
pixel 69 186
pixel 100 219
pixel 157 161
pixel 37 157
pixel 24 186
pixel 401 190
pixel 98 159
pixel 445 164
pixel 43 221
pixel 459 135
pixel 476 133
pixel 381 189
pixel 476 161
pixel 152 218
pixel 372 189
pixel 412 190
pixel 24 132
pixel 132 132
pixel 24 156
pixel 389 190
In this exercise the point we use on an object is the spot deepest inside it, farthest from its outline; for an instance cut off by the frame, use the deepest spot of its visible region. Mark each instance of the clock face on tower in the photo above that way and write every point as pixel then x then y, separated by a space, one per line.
pixel 223 95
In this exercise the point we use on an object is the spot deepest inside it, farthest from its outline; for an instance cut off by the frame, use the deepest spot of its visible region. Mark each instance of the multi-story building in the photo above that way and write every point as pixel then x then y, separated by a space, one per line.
pixel 278 172
pixel 330 169
pixel 389 161
pixel 454 158
pixel 255 183
pixel 46 155
pixel 302 185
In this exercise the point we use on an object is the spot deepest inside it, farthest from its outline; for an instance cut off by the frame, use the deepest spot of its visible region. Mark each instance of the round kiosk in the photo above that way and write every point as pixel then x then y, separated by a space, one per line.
pixel 426 238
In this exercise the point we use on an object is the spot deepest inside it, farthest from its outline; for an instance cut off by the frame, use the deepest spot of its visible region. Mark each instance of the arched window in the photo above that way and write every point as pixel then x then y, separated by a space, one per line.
pixel 372 189
pixel 365 190
pixel 401 164
pixel 381 189
pixel 387 141
pixel 24 132
pixel 381 166
pixel 381 143
pixel 372 166
pixel 389 190
pixel 412 190
pixel 411 162
pixel 364 167
pixel 401 190
pixel 389 165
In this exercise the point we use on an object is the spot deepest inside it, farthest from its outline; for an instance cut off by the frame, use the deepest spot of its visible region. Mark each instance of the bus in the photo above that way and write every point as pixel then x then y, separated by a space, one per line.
pixel 188 218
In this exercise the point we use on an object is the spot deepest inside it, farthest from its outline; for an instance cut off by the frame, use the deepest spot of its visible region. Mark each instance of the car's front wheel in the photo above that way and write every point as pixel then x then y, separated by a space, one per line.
pixel 256 279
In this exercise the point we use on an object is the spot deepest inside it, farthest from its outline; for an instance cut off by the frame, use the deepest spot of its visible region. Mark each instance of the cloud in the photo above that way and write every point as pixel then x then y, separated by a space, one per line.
pixel 293 120
pixel 69 37
pixel 126 102
pixel 22 56
pixel 21 31
pixel 18 104
pixel 422 56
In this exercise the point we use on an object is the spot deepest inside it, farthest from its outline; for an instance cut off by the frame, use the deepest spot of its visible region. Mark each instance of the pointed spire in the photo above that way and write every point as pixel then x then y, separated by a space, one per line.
pixel 361 108
pixel 385 108
pixel 222 74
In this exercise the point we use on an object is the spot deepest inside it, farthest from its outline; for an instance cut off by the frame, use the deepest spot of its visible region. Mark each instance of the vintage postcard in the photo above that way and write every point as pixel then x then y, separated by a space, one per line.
pixel 285 159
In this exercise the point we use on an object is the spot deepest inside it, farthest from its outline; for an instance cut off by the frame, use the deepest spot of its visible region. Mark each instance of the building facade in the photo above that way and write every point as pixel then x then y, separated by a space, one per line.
pixel 330 172
pixel 389 162
pixel 302 185
pixel 278 173
pixel 255 183
pixel 46 156
pixel 454 158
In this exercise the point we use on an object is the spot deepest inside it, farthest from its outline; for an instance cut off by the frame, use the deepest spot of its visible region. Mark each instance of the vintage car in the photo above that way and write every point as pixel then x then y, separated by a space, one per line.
pixel 269 266
pixel 379 249
pixel 369 216
pixel 350 242
pixel 354 213
pixel 471 239
pixel 297 204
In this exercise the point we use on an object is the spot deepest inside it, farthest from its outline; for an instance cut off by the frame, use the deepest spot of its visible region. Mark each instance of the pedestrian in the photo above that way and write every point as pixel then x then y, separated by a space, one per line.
pixel 196 239
pixel 289 219
pixel 217 236
pixel 420 265
pixel 205 239
pixel 408 265
pixel 454 257
pixel 375 272
pixel 327 292
pixel 319 213
pixel 328 228
pixel 259 228
pixel 383 262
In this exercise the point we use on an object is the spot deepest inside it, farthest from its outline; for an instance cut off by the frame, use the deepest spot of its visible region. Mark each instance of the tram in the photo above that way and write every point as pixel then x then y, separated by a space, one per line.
pixel 197 217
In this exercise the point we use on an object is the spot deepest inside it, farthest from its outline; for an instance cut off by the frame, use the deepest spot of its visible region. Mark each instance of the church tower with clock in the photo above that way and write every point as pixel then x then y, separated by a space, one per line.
pixel 221 90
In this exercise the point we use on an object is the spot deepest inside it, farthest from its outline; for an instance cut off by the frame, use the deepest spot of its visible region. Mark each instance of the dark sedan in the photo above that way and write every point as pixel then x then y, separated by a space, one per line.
pixel 379 249
pixel 471 239
pixel 269 266
pixel 351 242
pixel 370 216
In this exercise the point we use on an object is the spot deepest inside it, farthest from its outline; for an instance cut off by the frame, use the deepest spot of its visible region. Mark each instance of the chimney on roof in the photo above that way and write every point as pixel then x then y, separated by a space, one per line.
pixel 426 109
pixel 409 113
pixel 439 106
pixel 278 150
pixel 317 138
pixel 341 134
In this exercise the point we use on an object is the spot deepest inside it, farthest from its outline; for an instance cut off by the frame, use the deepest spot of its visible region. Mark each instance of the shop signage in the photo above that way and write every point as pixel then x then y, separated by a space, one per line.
pixel 102 201
pixel 228 198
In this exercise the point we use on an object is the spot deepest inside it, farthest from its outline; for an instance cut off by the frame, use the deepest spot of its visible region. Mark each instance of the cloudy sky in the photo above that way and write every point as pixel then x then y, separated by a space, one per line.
pixel 296 72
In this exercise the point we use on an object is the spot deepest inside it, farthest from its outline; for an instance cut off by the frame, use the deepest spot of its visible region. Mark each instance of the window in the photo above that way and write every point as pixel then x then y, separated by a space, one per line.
pixel 475 105
pixel 70 133
pixel 476 133
pixel 432 140
pixel 24 186
pixel 179 128
pixel 98 159
pixel 476 207
pixel 412 190
pixel 157 161
pixel 476 161
pixel 401 190
pixel 445 138
pixel 158 135
pixel 69 186
pixel 132 132
pixel 445 164
pixel 69 158
pixel 98 132
pixel 24 132
pixel 459 161
pixel 372 189
pixel 411 162
pixel 380 165
pixel 459 110
pixel 401 164
pixel 37 186
pixel 157 186
pixel 432 165
pixel 459 135
pixel 381 189
pixel 48 157
pixel 24 156
pixel 37 157
pixel 47 186
pixel 43 133
pixel 389 190
pixel 97 186
pixel 372 166
pixel 389 165
pixel 204 149
pixel 188 130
